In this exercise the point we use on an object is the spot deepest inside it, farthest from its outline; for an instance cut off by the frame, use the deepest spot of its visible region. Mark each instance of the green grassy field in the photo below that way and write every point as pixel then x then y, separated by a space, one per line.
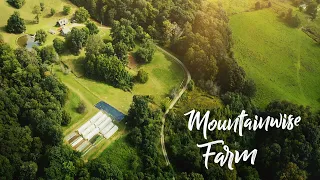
pixel 284 62
pixel 121 154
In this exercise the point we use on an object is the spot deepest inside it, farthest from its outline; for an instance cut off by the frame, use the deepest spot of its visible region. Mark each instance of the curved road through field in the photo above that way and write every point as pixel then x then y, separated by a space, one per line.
pixel 174 101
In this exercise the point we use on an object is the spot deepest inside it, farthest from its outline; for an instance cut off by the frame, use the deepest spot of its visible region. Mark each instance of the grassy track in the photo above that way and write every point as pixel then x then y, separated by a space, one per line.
pixel 283 61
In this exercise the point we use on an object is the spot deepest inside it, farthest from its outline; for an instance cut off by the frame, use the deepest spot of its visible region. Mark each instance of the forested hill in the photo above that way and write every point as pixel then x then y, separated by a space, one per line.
pixel 195 30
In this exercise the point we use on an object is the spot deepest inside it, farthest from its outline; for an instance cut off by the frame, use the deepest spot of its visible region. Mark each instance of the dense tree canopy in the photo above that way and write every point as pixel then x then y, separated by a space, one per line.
pixel 76 39
pixel 16 3
pixel 59 45
pixel 31 111
pixel 145 53
pixel 41 36
pixel 93 29
pixel 15 24
pixel 81 15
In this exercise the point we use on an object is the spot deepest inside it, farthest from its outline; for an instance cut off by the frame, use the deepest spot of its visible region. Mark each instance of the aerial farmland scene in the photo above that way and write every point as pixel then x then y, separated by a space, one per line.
pixel 160 89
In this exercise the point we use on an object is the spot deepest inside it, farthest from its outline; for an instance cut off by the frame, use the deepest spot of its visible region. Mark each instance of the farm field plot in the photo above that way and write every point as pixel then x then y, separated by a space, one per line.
pixel 281 60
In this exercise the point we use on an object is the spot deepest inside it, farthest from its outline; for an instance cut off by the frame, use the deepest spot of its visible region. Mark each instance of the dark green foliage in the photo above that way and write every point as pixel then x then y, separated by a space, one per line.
pixel 257 5
pixel 249 88
pixel 42 6
pixel 191 85
pixel 66 118
pixel 231 75
pixel 59 45
pixel 52 12
pixel 289 153
pixel 139 111
pixel 62 163
pixel 95 45
pixel 142 76
pixel 121 51
pixel 122 31
pixel 81 108
pixel 145 136
pixel 31 114
pixel 15 24
pixel 41 36
pixel 81 15
pixel 1 39
pixel 312 9
pixel 293 21
pixel 76 40
pixel 109 70
pixel 145 53
pixel 16 3
pixel 93 29
pixel 109 50
pixel 49 55
pixel 248 173
pixel 99 168
pixel 66 10
pixel 141 35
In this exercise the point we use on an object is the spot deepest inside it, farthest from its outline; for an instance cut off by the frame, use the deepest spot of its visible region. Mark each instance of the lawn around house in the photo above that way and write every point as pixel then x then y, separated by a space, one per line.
pixel 46 22
pixel 280 59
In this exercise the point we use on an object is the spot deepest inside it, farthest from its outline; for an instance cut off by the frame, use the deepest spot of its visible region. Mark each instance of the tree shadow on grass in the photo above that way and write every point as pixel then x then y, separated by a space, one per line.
pixel 3 29
pixel 29 22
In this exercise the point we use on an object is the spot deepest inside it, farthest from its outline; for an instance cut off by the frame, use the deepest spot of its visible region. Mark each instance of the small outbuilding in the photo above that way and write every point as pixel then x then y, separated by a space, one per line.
pixel 53 32
pixel 62 22
pixel 65 31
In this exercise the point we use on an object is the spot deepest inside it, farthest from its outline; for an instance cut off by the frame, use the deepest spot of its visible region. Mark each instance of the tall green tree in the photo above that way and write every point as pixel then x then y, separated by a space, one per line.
pixel 76 40
pixel 81 15
pixel 59 45
pixel 15 24
pixel 66 10
pixel 41 36
pixel 145 53
pixel 16 3
pixel 93 29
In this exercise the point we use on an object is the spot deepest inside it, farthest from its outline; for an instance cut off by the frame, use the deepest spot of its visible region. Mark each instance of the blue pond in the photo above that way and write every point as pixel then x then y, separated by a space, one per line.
pixel 117 115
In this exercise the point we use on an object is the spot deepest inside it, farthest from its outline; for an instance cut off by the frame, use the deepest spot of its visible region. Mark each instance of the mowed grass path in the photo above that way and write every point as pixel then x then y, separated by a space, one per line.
pixel 284 62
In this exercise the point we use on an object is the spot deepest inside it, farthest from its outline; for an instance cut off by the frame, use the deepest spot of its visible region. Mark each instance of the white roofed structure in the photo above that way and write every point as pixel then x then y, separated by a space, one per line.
pixel 88 130
pixel 77 141
pixel 104 123
pixel 92 134
pixel 100 120
pixel 96 117
pixel 107 128
pixel 84 127
pixel 83 146
pixel 111 132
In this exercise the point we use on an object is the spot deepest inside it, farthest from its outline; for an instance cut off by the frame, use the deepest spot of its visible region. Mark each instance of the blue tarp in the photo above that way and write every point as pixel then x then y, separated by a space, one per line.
pixel 117 115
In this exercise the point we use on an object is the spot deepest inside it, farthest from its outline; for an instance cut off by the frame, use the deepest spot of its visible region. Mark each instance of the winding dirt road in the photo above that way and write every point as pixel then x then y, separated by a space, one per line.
pixel 174 101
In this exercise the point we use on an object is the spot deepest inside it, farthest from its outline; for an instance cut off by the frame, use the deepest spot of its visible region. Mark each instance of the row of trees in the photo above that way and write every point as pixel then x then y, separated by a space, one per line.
pixel 146 124
pixel 31 112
